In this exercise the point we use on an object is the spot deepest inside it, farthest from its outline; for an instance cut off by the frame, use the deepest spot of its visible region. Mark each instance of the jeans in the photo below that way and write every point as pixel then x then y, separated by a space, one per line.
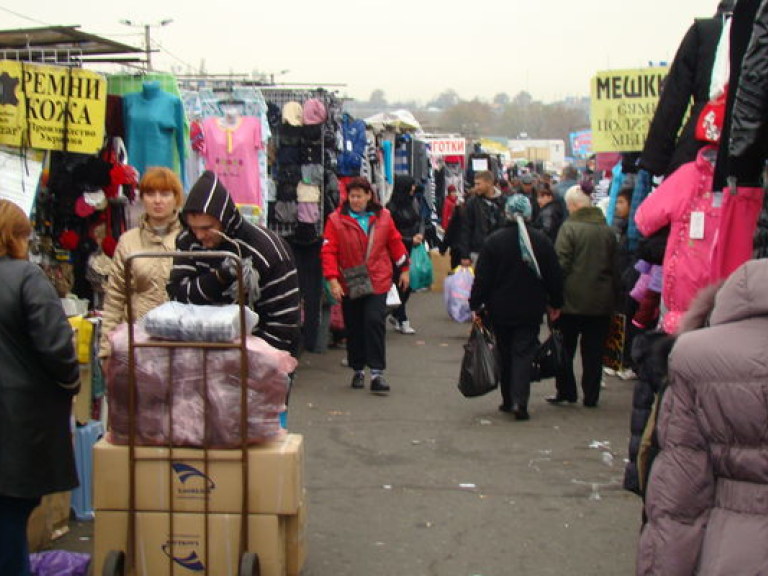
pixel 14 551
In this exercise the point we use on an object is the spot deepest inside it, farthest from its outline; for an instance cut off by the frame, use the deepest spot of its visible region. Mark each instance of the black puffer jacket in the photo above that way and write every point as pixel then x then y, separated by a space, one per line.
pixel 689 77
pixel 650 353
pixel 748 146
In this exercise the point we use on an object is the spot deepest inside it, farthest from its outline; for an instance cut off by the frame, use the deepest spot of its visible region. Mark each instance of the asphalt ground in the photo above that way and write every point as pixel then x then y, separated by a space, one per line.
pixel 425 482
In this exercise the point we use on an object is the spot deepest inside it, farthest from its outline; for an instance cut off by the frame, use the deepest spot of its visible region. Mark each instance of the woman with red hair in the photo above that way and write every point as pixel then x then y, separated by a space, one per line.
pixel 161 193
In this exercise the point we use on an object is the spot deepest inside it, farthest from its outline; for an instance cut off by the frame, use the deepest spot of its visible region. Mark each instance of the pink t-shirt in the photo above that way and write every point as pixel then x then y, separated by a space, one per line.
pixel 233 154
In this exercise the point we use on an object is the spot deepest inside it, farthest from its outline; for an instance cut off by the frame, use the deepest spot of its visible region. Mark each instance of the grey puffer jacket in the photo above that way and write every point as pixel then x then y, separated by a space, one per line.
pixel 707 498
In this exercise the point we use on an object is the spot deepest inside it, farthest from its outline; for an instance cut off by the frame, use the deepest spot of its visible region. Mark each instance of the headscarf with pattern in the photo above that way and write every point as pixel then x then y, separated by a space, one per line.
pixel 518 209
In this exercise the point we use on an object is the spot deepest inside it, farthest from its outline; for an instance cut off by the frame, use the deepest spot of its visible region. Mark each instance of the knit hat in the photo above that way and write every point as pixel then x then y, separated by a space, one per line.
pixel 518 204
pixel 293 113
pixel 314 111
pixel 526 178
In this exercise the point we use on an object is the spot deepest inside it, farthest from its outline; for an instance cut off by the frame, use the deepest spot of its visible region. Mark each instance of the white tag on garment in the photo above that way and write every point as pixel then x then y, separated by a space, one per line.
pixel 349 145
pixel 697 226
pixel 717 200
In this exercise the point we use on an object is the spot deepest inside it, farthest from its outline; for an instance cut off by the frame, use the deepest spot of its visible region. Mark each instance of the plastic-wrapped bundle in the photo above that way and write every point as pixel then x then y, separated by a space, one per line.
pixel 197 323
pixel 188 369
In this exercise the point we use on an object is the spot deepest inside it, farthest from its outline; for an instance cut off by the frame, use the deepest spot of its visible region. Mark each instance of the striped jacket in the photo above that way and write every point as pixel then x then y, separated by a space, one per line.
pixel 194 280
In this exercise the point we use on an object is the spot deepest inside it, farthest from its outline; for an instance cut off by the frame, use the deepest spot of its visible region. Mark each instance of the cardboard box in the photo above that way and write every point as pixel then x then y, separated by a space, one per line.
pixel 295 541
pixel 276 478
pixel 266 537
pixel 48 521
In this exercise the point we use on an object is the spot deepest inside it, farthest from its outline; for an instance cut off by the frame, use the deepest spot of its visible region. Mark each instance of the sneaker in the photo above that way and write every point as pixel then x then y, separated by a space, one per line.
pixel 405 328
pixel 627 374
pixel 358 380
pixel 379 385
pixel 610 371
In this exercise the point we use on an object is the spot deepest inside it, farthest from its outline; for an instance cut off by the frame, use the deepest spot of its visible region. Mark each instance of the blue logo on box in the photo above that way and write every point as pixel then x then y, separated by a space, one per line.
pixel 190 562
pixel 187 473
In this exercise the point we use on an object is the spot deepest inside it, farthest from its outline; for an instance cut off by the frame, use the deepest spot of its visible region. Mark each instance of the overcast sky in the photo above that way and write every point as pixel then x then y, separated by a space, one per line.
pixel 410 49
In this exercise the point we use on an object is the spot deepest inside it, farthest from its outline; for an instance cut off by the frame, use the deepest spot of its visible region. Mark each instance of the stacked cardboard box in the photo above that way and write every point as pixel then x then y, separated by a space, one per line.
pixel 205 500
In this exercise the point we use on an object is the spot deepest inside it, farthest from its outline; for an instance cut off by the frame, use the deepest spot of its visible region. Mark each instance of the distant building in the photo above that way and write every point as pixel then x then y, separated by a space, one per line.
pixel 549 153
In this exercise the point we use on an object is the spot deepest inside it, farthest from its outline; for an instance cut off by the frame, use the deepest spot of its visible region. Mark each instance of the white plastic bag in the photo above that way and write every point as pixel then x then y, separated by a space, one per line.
pixel 198 323
pixel 393 298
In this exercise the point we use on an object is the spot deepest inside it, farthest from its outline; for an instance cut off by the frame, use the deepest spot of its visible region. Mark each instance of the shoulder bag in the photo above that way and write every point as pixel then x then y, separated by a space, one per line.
pixel 357 278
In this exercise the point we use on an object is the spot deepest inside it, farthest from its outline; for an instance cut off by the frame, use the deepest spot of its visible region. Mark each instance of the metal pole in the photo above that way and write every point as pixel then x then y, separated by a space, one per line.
pixel 147 47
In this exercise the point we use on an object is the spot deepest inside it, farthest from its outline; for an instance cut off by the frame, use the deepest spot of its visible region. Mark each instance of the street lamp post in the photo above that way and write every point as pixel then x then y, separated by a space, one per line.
pixel 147 32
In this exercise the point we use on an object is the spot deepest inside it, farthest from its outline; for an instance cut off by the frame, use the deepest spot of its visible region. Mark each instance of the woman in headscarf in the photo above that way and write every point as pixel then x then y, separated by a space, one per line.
pixel 517 279
pixel 405 213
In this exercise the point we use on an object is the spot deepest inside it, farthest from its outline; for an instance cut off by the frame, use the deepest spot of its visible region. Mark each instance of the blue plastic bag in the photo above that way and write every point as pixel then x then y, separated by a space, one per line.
pixel 456 291
pixel 59 563
pixel 421 268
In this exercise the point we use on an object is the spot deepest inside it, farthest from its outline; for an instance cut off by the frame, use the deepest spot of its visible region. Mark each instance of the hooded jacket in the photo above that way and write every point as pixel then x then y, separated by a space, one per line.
pixel 150 276
pixel 195 280
pixel 40 375
pixel 586 249
pixel 687 262
pixel 707 498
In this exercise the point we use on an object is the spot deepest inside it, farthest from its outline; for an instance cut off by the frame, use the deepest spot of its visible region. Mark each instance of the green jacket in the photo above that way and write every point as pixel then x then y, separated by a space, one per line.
pixel 586 249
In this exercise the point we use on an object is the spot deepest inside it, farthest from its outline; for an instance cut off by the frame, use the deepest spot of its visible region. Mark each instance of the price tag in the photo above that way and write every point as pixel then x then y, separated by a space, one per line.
pixel 697 226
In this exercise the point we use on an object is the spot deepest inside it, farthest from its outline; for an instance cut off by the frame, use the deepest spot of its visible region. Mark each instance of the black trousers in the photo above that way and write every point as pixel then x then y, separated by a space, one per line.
pixel 517 345
pixel 14 554
pixel 364 319
pixel 593 331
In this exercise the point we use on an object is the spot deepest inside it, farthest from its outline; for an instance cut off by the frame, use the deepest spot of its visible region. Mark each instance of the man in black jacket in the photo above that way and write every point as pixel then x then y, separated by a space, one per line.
pixel 483 214
pixel 212 222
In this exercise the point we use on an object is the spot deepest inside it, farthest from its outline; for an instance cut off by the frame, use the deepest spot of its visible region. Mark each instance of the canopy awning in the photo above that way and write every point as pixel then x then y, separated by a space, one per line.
pixel 399 119
pixel 62 43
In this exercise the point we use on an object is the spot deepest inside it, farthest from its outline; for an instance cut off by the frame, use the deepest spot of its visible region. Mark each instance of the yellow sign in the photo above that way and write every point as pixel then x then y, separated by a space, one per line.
pixel 623 105
pixel 52 107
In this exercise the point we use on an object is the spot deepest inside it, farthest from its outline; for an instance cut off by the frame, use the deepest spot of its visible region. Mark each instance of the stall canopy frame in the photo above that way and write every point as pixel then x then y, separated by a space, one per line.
pixel 64 45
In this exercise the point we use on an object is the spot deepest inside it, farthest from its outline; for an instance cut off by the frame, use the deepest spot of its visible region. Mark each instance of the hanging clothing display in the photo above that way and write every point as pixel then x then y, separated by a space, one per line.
pixel 207 103
pixel 232 152
pixel 666 146
pixel 686 202
pixel 154 127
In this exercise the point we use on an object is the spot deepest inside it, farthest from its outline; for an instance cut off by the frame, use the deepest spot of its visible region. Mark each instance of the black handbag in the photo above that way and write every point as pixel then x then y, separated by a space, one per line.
pixel 550 359
pixel 357 278
pixel 480 369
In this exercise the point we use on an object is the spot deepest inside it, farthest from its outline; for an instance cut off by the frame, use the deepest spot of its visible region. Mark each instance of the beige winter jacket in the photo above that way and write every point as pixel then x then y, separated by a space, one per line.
pixel 150 276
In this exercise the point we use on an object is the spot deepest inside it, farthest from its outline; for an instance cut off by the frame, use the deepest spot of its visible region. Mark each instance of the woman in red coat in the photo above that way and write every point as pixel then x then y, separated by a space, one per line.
pixel 359 226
